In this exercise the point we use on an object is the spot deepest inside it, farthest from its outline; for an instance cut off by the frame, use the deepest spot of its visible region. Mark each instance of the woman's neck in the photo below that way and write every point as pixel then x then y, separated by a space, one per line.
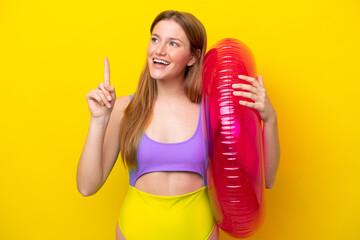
pixel 171 90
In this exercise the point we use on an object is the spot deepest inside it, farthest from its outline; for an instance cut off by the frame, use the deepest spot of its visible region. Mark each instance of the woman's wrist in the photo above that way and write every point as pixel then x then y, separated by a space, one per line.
pixel 272 120
pixel 99 122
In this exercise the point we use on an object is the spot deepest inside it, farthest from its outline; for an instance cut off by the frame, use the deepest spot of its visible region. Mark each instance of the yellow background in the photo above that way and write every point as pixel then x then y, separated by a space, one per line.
pixel 51 55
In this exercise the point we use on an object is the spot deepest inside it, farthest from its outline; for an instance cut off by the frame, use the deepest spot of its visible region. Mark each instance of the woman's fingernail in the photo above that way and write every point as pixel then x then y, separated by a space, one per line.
pixel 109 97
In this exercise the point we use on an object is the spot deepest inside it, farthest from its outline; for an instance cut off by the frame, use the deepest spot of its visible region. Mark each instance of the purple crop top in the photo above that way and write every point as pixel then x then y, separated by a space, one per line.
pixel 153 156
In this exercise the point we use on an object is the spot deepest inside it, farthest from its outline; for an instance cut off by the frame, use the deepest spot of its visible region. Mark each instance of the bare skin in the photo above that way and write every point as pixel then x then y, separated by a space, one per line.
pixel 172 108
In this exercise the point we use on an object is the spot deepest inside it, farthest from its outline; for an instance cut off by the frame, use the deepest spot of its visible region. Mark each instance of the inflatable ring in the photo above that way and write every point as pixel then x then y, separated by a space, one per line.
pixel 235 171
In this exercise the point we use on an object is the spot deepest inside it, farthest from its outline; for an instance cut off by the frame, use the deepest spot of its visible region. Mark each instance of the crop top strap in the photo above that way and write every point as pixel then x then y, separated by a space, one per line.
pixel 131 96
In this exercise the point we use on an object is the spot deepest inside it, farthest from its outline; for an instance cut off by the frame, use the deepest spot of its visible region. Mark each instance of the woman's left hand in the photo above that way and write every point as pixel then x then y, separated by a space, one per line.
pixel 257 93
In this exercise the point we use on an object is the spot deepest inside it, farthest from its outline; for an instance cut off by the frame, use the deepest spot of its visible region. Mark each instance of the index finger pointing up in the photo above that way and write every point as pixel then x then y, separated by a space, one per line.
pixel 106 71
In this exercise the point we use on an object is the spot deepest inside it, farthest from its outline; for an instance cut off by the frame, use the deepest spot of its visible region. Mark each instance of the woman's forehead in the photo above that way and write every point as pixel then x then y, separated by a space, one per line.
pixel 169 29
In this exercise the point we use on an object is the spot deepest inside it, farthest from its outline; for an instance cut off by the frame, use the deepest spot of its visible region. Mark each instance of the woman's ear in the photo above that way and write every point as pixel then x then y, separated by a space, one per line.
pixel 194 58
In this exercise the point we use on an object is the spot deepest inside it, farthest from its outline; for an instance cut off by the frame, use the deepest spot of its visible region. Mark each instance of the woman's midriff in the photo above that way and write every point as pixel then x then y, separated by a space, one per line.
pixel 169 183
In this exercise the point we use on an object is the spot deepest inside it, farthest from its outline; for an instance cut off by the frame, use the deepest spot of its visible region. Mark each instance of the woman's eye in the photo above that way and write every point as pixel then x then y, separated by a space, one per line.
pixel 153 39
pixel 174 44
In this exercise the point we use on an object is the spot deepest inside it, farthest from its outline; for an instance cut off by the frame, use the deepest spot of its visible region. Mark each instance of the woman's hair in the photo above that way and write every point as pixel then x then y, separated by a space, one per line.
pixel 138 113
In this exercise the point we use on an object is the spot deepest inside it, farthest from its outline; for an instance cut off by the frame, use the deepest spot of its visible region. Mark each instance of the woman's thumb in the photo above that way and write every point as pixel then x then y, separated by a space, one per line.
pixel 109 87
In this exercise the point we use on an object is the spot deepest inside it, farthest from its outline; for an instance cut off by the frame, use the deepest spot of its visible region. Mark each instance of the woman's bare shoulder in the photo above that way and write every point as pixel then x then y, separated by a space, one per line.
pixel 121 103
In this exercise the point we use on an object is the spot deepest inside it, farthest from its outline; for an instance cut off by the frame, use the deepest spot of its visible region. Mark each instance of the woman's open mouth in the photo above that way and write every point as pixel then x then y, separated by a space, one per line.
pixel 159 63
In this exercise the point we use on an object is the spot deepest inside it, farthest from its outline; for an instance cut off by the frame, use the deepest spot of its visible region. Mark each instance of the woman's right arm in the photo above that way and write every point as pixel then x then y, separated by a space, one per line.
pixel 102 145
pixel 101 149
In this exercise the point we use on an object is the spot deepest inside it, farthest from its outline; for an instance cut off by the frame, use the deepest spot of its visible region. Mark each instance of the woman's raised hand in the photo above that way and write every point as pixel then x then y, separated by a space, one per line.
pixel 101 100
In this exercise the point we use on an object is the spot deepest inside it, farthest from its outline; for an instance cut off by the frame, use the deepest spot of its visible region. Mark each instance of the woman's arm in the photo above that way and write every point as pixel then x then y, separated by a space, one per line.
pixel 270 137
pixel 271 148
pixel 89 171
pixel 101 149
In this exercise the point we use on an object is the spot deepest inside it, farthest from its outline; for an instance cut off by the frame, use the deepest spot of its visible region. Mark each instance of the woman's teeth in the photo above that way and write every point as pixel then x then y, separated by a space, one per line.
pixel 161 62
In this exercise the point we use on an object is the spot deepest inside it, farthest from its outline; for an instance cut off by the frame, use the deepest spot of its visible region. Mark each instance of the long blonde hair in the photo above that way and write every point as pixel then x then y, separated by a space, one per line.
pixel 138 113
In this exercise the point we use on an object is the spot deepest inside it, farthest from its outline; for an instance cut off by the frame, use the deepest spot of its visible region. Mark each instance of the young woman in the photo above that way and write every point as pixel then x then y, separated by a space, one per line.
pixel 158 131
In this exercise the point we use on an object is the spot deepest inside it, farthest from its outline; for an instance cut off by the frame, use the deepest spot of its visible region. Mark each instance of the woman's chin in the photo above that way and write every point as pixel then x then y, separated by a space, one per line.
pixel 157 76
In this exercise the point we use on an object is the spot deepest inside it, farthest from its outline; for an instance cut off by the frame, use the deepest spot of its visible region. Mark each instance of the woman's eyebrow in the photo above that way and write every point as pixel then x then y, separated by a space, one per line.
pixel 172 38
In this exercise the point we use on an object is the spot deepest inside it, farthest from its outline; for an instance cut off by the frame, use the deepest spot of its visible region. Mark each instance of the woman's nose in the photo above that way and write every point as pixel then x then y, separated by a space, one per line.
pixel 160 50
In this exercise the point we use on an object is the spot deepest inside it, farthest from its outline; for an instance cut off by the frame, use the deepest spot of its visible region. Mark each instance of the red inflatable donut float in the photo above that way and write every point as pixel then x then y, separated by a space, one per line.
pixel 235 171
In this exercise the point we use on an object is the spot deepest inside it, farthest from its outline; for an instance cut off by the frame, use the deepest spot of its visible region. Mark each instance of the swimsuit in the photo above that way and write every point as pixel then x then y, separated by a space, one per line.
pixel 189 216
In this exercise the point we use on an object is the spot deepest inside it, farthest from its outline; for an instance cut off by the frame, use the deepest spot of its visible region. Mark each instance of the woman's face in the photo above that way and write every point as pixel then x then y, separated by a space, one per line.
pixel 169 51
